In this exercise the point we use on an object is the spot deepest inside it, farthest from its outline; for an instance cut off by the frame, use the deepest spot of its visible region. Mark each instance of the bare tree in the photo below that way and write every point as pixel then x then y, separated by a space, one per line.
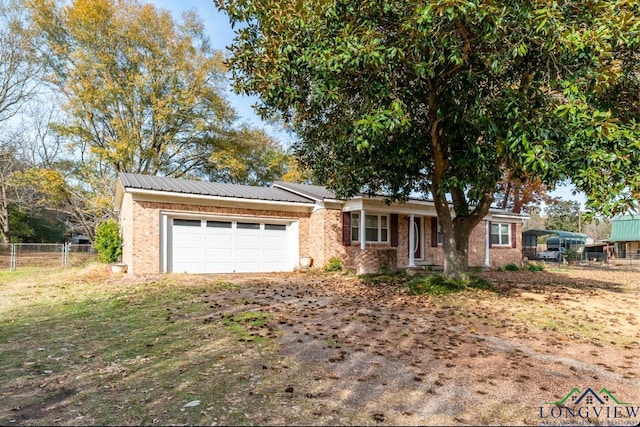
pixel 18 84
pixel 18 69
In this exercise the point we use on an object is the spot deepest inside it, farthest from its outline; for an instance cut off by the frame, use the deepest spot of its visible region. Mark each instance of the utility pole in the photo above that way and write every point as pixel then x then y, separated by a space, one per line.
pixel 579 221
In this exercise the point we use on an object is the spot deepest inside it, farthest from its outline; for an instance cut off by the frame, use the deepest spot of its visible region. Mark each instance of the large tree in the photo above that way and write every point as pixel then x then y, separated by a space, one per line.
pixel 18 66
pixel 18 84
pixel 143 92
pixel 443 96
pixel 563 215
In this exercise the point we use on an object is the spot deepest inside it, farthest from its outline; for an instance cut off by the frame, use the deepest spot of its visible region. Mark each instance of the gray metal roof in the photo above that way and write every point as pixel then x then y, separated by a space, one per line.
pixel 315 192
pixel 186 186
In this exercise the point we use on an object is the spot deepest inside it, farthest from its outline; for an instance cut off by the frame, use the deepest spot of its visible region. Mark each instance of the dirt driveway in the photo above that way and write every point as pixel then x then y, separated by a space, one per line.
pixel 369 353
pixel 558 347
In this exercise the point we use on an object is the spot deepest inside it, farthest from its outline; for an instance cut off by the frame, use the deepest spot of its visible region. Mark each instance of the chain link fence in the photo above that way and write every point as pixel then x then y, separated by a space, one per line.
pixel 44 255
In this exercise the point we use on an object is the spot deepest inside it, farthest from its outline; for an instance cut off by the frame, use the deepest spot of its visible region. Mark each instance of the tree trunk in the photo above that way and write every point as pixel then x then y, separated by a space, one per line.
pixel 456 232
pixel 456 249
pixel 4 215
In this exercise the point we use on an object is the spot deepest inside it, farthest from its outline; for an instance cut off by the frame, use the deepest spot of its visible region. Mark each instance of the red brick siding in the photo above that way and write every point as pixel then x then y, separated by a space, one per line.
pixel 320 237
pixel 143 224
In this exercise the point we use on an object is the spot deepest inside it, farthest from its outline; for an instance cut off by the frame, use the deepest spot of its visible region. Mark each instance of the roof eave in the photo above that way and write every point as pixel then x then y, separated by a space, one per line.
pixel 148 192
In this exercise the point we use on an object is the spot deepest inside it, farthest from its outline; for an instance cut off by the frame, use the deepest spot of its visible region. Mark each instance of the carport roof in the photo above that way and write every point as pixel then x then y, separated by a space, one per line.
pixel 186 186
pixel 560 233
pixel 625 228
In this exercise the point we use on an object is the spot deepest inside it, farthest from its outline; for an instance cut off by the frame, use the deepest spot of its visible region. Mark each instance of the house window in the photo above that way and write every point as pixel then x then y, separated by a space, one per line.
pixel 501 234
pixel 376 228
pixel 438 233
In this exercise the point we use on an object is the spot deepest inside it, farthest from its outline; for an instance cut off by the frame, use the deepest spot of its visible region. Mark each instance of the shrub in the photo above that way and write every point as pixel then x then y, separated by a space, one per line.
pixel 333 264
pixel 479 283
pixel 572 255
pixel 535 267
pixel 399 278
pixel 511 267
pixel 108 243
pixel 435 284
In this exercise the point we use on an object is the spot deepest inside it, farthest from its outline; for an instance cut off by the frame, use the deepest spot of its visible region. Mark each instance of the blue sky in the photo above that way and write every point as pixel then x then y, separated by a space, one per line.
pixel 219 31
pixel 221 35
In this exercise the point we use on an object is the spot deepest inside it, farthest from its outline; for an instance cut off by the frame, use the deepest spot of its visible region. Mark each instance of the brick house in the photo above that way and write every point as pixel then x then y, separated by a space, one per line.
pixel 182 226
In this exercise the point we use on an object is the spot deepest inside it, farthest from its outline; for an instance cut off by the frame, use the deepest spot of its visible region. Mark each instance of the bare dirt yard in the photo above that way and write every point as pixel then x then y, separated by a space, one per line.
pixel 557 347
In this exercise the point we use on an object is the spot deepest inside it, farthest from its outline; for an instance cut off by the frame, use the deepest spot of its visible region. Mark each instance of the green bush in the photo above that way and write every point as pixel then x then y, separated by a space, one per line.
pixel 511 267
pixel 435 284
pixel 438 284
pixel 572 255
pixel 398 278
pixel 333 264
pixel 535 267
pixel 108 243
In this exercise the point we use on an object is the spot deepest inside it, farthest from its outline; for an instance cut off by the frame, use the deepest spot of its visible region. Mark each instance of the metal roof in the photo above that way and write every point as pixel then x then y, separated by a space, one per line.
pixel 625 228
pixel 315 192
pixel 186 186
pixel 560 233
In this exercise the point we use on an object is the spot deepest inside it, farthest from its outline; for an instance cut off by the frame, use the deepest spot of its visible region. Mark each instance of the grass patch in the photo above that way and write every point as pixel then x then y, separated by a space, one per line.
pixel 398 278
pixel 250 326
pixel 438 284
pixel 227 286
pixel 535 267
pixel 84 348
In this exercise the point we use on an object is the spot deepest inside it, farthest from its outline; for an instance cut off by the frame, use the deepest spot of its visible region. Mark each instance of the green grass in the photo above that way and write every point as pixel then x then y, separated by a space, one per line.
pixel 90 351
pixel 438 284
pixel 250 326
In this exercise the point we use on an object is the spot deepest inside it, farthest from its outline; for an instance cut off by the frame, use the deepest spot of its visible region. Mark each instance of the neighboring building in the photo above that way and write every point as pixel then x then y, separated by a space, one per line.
pixel 80 239
pixel 183 226
pixel 558 239
pixel 625 237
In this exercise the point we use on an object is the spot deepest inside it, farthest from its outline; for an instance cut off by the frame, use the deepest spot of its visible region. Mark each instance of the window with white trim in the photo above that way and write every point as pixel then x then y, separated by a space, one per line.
pixel 500 234
pixel 438 233
pixel 376 228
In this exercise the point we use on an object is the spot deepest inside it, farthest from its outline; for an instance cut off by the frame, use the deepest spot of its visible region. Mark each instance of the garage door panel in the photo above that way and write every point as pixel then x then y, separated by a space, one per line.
pixel 187 267
pixel 247 254
pixel 274 253
pixel 248 267
pixel 218 267
pixel 186 234
pixel 245 240
pixel 275 266
pixel 218 254
pixel 218 241
pixel 187 253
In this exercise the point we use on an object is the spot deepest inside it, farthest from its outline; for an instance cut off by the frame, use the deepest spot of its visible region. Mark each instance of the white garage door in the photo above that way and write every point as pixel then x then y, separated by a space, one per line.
pixel 220 246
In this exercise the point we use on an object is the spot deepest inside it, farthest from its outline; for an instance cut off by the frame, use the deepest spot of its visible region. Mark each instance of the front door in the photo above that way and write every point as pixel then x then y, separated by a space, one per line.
pixel 417 237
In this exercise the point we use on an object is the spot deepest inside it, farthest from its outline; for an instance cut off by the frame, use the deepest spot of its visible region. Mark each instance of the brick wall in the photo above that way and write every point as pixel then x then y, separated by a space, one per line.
pixel 320 237
pixel 126 230
pixel 142 222
pixel 377 254
pixel 501 256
